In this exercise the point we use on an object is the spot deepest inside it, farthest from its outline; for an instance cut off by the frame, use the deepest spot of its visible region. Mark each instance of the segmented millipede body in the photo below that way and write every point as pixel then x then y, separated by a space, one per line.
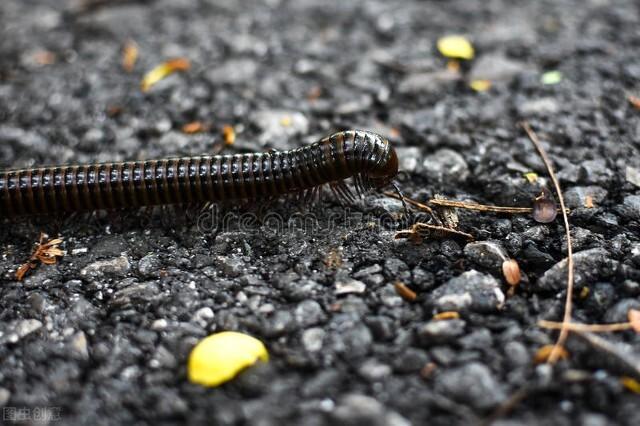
pixel 364 156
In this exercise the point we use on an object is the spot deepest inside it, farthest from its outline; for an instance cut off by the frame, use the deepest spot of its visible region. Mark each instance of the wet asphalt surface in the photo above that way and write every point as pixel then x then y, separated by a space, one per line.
pixel 104 334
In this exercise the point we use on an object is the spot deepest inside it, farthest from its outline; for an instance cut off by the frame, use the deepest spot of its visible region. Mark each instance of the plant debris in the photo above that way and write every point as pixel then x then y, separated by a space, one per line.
pixel 511 272
pixel 45 252
pixel 220 357
pixel 455 46
pixel 557 352
pixel 129 55
pixel 544 354
pixel 194 127
pixel 551 77
pixel 405 292
pixel 162 71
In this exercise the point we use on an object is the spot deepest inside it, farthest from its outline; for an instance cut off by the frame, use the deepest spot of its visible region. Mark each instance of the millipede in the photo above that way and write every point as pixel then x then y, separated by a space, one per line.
pixel 365 157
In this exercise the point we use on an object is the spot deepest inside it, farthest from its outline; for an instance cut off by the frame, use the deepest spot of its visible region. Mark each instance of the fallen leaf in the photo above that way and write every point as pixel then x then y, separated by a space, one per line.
pixel 542 355
pixel 630 383
pixel 162 71
pixel 531 177
pixel 405 292
pixel 511 271
pixel 194 127
pixel 634 100
pixel 480 85
pixel 455 46
pixel 219 357
pixel 584 293
pixel 447 315
pixel 129 55
pixel 551 77
pixel 229 135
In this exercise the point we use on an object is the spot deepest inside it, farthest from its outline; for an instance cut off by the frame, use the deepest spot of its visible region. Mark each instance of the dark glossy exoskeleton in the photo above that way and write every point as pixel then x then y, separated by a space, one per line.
pixel 364 156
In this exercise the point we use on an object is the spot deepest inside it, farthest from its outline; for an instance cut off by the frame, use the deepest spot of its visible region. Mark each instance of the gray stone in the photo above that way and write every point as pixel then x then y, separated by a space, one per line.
pixel 16 330
pixel 312 339
pixel 116 267
pixel 348 286
pixel 495 68
pixel 469 291
pixel 438 331
pixel 373 370
pixel 472 384
pixel 279 126
pixel 446 165
pixel 309 312
pixel 427 82
pixel 357 409
pixel 541 106
pixel 231 266
pixel 631 206
pixel 410 158
pixel 632 175
pixel 589 266
pixel 150 265
pixel 576 196
pixel 486 253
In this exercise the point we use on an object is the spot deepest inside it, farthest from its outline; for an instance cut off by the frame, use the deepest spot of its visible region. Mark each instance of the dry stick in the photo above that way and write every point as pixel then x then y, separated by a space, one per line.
pixel 596 328
pixel 478 207
pixel 566 320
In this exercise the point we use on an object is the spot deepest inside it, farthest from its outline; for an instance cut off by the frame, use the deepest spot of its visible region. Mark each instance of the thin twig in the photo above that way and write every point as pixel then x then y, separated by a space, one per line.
pixel 411 201
pixel 566 320
pixel 479 207
pixel 595 328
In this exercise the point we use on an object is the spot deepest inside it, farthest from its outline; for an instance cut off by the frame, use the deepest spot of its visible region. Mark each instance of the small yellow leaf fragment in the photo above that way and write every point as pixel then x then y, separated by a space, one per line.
pixel 542 355
pixel 511 271
pixel 455 46
pixel 551 77
pixel 194 127
pixel 162 71
pixel 480 85
pixel 588 202
pixel 584 293
pixel 219 357
pixel 129 55
pixel 228 134
pixel 630 383
pixel 634 319
pixel 635 101
pixel 453 65
pixel 531 177
pixel 448 315
pixel 405 292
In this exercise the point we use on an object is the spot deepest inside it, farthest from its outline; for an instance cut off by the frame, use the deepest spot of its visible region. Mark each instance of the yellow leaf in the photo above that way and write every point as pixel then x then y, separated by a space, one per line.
pixel 480 85
pixel 551 77
pixel 162 71
pixel 630 383
pixel 455 46
pixel 532 177
pixel 220 357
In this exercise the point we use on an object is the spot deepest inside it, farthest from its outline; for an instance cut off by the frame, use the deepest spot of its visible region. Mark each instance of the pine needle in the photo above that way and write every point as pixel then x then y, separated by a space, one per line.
pixel 566 320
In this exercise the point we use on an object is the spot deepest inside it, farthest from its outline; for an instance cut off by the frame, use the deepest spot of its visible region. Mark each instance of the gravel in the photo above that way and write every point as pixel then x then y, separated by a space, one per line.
pixel 105 333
